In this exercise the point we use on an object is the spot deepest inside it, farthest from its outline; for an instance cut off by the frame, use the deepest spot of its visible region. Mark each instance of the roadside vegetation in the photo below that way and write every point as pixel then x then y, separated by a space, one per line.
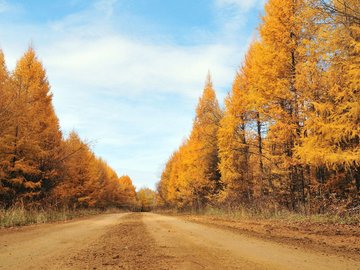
pixel 245 213
pixel 292 217
pixel 20 216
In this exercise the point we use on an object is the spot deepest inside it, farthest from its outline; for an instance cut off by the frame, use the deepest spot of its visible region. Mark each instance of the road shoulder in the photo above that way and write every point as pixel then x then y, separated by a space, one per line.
pixel 340 240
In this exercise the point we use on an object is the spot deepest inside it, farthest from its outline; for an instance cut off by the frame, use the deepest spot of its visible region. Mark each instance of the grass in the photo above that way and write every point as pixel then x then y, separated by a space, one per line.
pixel 244 213
pixel 20 216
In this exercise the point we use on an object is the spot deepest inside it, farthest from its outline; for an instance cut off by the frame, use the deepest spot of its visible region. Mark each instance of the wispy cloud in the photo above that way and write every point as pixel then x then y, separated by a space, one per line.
pixel 118 64
pixel 243 5
pixel 4 6
pixel 106 6
pixel 8 7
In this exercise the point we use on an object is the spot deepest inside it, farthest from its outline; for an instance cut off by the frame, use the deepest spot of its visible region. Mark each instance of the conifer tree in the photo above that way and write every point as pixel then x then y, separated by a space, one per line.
pixel 169 186
pixel 233 147
pixel 203 172
pixel 330 141
pixel 126 194
pixel 280 35
pixel 6 96
pixel 6 118
pixel 35 136
pixel 72 190
pixel 146 199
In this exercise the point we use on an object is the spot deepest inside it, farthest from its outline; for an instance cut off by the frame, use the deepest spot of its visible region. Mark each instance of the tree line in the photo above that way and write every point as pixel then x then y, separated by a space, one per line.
pixel 288 137
pixel 38 166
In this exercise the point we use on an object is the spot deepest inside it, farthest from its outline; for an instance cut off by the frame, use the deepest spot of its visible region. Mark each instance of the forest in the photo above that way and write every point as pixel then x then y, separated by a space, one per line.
pixel 39 168
pixel 288 137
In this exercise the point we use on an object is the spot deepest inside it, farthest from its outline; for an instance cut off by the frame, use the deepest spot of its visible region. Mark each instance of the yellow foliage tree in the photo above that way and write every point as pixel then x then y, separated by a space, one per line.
pixel 77 184
pixel 146 199
pixel 203 176
pixel 191 177
pixel 7 98
pixel 330 141
pixel 280 35
pixel 34 136
pixel 233 147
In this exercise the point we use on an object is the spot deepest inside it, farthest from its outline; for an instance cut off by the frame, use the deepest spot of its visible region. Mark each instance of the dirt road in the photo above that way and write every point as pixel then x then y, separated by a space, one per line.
pixel 151 241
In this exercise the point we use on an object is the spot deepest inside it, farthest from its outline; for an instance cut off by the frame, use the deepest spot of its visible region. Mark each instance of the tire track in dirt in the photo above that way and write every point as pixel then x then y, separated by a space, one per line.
pixel 127 245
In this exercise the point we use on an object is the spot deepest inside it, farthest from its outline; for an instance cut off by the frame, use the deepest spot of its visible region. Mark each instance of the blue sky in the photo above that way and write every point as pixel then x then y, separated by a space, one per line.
pixel 127 74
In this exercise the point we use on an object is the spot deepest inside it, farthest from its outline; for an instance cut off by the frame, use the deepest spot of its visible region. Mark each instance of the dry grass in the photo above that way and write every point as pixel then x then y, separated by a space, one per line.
pixel 245 213
pixel 19 216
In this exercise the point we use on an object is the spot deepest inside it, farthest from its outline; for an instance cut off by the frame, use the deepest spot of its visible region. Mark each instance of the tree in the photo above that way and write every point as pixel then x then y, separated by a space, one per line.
pixel 191 177
pixel 146 199
pixel 126 192
pixel 167 187
pixel 233 147
pixel 6 119
pixel 79 176
pixel 203 172
pixel 330 141
pixel 6 96
pixel 35 137
pixel 280 35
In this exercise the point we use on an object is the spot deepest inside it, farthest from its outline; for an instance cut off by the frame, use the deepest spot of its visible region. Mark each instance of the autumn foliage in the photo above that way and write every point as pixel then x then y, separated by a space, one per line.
pixel 289 134
pixel 38 167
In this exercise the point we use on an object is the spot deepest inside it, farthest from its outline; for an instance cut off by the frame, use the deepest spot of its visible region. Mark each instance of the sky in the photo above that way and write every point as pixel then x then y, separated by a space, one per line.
pixel 127 74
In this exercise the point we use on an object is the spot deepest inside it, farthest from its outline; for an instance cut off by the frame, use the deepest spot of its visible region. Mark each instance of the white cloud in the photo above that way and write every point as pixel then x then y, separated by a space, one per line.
pixel 4 6
pixel 120 65
pixel 106 6
pixel 8 7
pixel 243 5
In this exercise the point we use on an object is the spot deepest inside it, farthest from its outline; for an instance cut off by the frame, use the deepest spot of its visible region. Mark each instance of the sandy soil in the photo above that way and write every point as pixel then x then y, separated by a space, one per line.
pixel 337 239
pixel 151 241
pixel 42 246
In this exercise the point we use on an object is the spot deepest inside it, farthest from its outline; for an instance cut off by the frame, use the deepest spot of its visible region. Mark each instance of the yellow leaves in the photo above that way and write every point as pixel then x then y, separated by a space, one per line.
pixel 317 153
pixel 32 185
pixel 17 181
pixel 146 199
pixel 191 172
pixel 125 180
pixel 3 71
pixel 89 181
pixel 332 125
pixel 30 77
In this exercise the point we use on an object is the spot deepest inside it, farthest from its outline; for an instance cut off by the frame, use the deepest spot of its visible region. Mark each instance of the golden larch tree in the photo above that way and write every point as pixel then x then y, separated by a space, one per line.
pixel 203 173
pixel 32 166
